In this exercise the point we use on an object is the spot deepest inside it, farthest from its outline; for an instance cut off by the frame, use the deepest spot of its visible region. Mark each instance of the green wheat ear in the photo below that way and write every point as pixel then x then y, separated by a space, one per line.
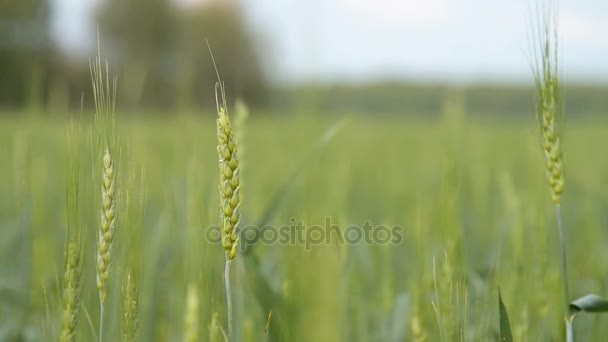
pixel 229 184
pixel 130 309
pixel 548 110
pixel 107 224
pixel 71 289
pixel 132 221
pixel 229 190
pixel 73 255
pixel 104 95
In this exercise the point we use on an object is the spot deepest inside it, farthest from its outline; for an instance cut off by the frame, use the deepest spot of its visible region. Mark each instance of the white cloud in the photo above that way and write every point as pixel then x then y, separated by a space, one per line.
pixel 580 28
pixel 72 24
pixel 403 13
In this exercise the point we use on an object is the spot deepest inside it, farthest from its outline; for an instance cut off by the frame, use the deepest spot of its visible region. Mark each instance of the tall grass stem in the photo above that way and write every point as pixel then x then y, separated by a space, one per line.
pixel 562 241
pixel 569 330
pixel 229 300
pixel 100 321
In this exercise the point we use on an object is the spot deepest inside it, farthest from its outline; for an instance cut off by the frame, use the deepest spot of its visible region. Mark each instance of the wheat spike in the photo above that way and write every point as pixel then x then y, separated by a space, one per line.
pixel 107 225
pixel 229 184
pixel 71 290
pixel 547 110
pixel 130 315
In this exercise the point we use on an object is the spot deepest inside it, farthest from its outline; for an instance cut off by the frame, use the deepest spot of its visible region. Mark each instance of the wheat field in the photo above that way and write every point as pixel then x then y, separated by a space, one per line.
pixel 470 197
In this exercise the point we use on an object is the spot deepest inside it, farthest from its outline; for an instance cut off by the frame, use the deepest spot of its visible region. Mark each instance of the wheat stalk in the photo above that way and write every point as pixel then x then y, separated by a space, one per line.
pixel 107 229
pixel 73 257
pixel 72 289
pixel 229 199
pixel 130 302
pixel 228 188
pixel 548 115
pixel 107 225
pixel 132 222
pixel 547 112
pixel 104 94
pixel 229 184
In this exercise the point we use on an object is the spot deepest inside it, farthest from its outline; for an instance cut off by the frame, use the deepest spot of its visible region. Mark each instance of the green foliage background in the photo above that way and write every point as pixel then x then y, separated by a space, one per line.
pixel 470 194
pixel 459 168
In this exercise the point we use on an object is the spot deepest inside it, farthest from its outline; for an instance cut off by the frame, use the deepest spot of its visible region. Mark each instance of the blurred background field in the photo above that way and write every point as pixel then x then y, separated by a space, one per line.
pixel 446 147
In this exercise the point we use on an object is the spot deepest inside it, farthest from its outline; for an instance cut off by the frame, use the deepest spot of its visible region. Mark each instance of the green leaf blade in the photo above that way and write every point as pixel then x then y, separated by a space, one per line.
pixel 505 326
pixel 590 303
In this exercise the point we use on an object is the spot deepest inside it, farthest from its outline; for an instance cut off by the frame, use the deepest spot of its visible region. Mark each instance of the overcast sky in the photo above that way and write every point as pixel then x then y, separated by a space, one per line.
pixel 457 40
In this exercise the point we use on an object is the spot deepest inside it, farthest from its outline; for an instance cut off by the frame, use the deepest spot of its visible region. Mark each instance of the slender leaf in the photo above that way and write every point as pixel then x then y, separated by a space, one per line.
pixel 590 303
pixel 505 327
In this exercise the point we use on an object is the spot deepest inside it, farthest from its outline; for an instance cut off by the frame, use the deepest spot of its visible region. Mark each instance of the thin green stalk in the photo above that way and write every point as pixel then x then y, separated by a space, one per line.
pixel 562 241
pixel 569 330
pixel 90 321
pixel 101 321
pixel 229 299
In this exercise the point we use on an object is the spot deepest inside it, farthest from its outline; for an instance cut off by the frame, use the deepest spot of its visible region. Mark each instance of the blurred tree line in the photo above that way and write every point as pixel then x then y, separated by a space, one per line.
pixel 159 51
pixel 25 51
pixel 428 100
pixel 157 48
